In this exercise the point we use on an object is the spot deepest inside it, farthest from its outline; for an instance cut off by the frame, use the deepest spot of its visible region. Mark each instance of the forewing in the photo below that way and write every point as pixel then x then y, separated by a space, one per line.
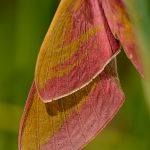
pixel 77 47
pixel 123 29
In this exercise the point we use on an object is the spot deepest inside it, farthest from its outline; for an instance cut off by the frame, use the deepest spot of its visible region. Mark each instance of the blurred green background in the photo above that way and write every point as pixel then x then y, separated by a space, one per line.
pixel 23 24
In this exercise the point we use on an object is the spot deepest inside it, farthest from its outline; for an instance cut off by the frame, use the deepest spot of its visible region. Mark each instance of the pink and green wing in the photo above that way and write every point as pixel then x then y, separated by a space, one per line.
pixel 71 68
pixel 123 29
pixel 77 47
pixel 71 122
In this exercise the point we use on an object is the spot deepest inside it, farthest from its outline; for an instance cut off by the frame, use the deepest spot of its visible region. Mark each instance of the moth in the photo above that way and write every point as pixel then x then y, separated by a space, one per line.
pixel 76 90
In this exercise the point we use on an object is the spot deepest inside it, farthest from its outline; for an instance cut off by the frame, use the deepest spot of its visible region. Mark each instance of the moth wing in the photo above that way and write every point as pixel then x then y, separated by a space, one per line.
pixel 73 121
pixel 122 27
pixel 77 47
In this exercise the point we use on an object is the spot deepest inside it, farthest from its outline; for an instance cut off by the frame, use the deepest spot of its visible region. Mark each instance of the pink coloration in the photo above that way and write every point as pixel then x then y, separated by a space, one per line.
pixel 26 108
pixel 78 75
pixel 90 57
pixel 88 94
pixel 122 27
pixel 95 106
pixel 100 107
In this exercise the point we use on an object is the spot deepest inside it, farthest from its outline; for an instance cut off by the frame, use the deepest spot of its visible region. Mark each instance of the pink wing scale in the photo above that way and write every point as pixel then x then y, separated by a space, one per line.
pixel 93 109
pixel 122 27
pixel 100 107
pixel 90 57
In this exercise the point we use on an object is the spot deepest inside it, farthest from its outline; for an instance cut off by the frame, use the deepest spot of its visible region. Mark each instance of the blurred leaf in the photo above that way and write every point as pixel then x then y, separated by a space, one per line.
pixel 11 117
